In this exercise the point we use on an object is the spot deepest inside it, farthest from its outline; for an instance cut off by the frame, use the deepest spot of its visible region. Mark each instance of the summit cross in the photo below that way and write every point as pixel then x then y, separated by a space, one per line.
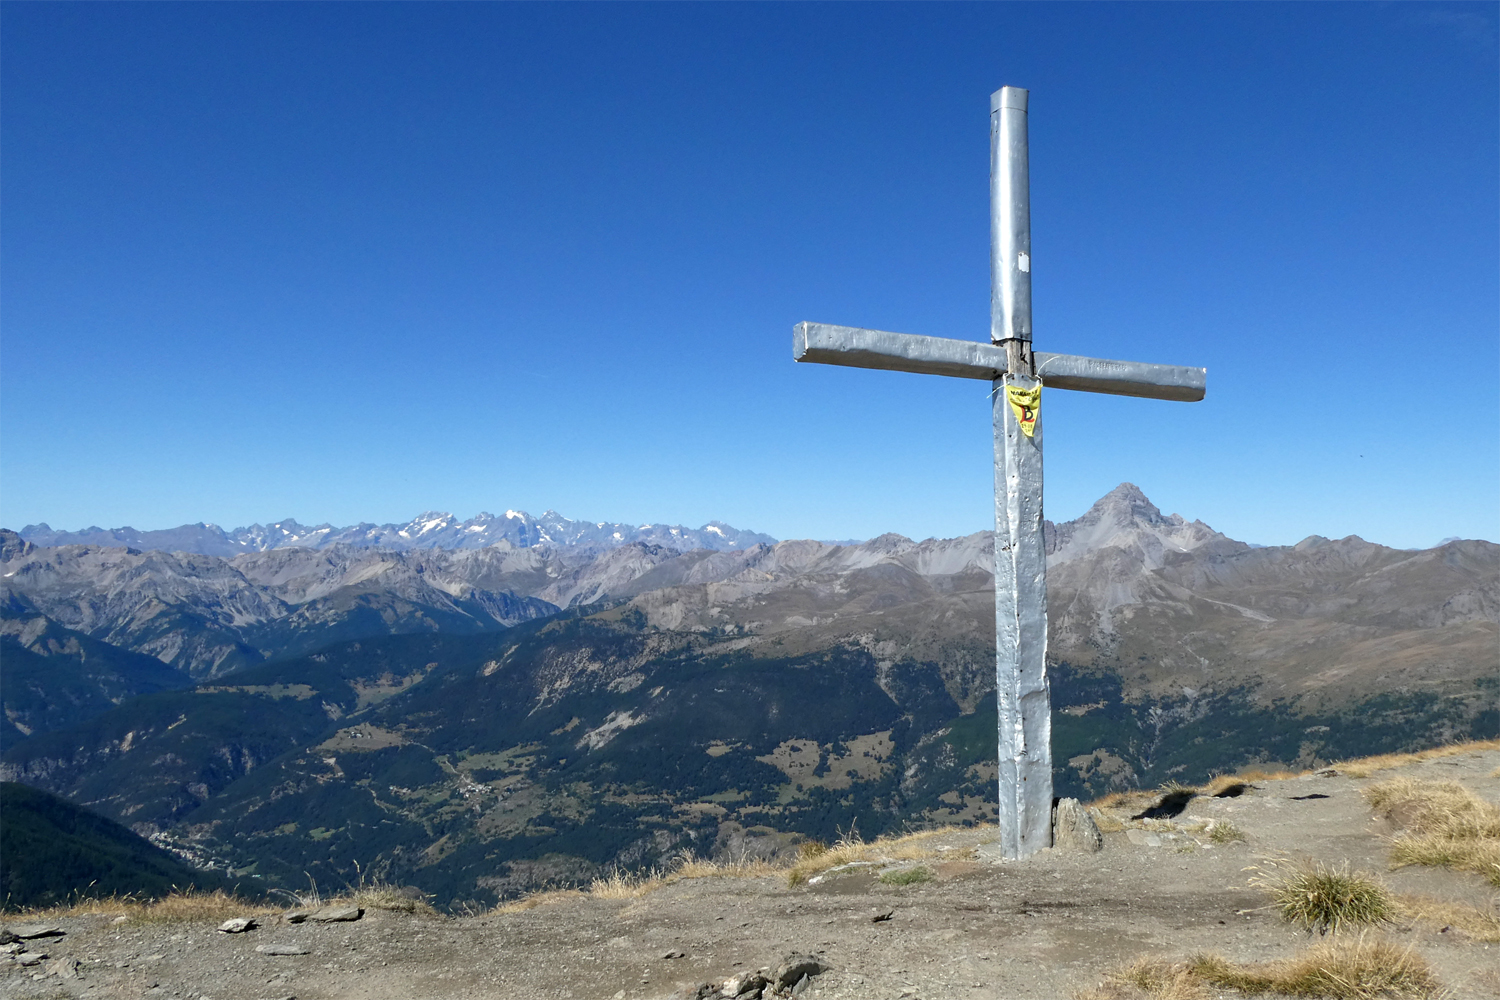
pixel 1017 374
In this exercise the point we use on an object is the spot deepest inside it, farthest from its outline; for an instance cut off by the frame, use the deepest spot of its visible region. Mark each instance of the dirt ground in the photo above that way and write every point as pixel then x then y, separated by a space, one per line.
pixel 982 929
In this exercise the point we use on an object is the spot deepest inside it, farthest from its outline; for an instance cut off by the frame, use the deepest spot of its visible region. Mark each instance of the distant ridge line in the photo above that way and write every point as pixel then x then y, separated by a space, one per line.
pixel 429 530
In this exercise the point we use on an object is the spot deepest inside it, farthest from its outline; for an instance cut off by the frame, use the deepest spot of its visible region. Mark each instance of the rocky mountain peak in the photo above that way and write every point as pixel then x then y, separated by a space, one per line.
pixel 1125 518
pixel 1122 505
pixel 12 545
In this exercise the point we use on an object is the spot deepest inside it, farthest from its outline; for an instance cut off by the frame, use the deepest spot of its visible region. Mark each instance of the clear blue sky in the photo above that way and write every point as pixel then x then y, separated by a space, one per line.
pixel 351 262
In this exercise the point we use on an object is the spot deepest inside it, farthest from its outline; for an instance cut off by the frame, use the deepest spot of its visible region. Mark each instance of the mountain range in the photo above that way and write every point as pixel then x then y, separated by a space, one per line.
pixel 482 721
pixel 430 530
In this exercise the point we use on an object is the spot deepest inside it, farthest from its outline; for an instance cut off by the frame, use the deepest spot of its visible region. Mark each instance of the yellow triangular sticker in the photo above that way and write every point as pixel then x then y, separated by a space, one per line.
pixel 1026 403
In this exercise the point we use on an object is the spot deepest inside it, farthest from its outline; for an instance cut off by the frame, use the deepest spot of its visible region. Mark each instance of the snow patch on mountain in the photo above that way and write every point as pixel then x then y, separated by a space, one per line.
pixel 428 530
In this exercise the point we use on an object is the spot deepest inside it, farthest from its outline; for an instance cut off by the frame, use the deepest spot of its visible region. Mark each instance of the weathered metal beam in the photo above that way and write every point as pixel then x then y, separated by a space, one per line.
pixel 853 347
pixel 1021 688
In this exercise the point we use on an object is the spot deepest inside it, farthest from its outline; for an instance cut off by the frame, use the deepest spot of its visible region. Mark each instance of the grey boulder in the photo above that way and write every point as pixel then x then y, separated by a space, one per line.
pixel 791 971
pixel 1073 829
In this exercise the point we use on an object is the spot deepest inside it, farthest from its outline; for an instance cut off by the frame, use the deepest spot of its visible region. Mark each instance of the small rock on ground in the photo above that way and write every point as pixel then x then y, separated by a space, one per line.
pixel 336 914
pixel 794 968
pixel 282 949
pixel 1073 829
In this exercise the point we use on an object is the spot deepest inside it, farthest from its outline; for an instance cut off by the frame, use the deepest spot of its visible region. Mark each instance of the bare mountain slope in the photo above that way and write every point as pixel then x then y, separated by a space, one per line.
pixel 208 616
pixel 798 688
pixel 1170 603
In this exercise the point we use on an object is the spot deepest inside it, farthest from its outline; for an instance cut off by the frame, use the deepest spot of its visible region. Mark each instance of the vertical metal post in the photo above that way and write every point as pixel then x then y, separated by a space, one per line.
pixel 1025 703
pixel 1010 230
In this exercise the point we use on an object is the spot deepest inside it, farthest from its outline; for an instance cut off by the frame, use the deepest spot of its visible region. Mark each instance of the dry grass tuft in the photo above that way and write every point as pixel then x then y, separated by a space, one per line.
pixel 1363 767
pixel 1224 832
pixel 1324 898
pixel 1106 822
pixel 744 868
pixel 1444 825
pixel 1345 970
pixel 1132 801
pixel 850 848
pixel 189 905
pixel 1356 969
pixel 381 896
pixel 624 885
pixel 907 876
pixel 1149 977
pixel 634 885
pixel 175 907
pixel 536 899
pixel 1222 783
pixel 1471 921
pixel 1480 857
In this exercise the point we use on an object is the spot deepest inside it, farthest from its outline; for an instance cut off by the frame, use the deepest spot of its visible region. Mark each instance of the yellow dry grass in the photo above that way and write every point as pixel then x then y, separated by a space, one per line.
pixel 1224 782
pixel 192 905
pixel 1323 898
pixel 851 848
pixel 1363 767
pixel 175 907
pixel 1136 799
pixel 699 868
pixel 1443 825
pixel 1222 831
pixel 634 885
pixel 1139 800
pixel 812 859
pixel 383 897
pixel 626 885
pixel 1156 978
pixel 1348 969
pixel 1106 822
pixel 1481 924
pixel 535 899
pixel 1114 810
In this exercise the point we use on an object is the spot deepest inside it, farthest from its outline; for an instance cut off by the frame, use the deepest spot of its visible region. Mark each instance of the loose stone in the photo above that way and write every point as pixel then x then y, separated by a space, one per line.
pixel 1073 829
pixel 64 968
pixel 237 925
pixel 282 949
pixel 337 914
pixel 793 968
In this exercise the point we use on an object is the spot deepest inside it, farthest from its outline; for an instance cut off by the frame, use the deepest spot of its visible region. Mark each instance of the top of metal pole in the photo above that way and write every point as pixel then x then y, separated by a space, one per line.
pixel 1010 230
pixel 1009 97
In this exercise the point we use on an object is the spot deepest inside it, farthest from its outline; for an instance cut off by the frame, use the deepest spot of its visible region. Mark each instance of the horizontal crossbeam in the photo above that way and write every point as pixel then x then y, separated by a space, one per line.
pixel 852 347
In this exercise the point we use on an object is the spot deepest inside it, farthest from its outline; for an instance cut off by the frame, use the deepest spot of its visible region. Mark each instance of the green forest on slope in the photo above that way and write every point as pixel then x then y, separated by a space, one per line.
pixel 479 766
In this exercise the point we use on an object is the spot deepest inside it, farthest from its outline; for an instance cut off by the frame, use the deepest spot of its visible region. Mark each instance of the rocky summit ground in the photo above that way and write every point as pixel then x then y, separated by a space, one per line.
pixel 1049 927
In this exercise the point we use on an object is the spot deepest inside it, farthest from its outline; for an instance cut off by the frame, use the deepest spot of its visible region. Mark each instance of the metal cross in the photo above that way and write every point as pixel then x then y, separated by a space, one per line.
pixel 1017 374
